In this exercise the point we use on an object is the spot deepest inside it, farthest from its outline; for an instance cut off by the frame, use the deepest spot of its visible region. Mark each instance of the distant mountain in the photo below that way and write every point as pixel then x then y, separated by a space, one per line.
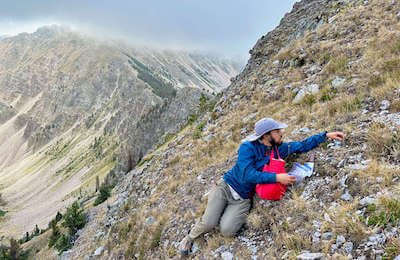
pixel 73 108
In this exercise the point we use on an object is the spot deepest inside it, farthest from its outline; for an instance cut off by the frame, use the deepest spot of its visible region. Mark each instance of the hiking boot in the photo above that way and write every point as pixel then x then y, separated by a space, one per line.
pixel 185 246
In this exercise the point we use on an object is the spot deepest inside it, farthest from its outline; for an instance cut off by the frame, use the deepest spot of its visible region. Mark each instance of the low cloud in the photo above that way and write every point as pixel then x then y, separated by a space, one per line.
pixel 229 28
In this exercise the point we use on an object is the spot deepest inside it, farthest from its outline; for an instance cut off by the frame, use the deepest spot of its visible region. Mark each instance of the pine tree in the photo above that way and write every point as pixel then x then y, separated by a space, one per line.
pixel 97 183
pixel 27 237
pixel 36 231
pixel 74 218
pixel 55 233
pixel 14 250
pixel 58 216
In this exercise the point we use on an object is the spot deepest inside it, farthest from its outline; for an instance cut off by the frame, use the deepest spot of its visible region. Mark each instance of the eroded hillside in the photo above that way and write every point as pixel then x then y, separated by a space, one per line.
pixel 329 65
pixel 73 109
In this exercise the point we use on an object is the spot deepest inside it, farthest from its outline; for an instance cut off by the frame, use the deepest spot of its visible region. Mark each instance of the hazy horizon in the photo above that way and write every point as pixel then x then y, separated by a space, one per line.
pixel 222 28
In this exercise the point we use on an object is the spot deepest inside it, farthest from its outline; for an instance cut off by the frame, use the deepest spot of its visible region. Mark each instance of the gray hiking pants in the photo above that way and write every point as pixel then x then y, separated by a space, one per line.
pixel 223 209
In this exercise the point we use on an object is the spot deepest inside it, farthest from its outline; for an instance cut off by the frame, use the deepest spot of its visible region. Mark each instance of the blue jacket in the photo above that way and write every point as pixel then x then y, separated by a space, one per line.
pixel 247 171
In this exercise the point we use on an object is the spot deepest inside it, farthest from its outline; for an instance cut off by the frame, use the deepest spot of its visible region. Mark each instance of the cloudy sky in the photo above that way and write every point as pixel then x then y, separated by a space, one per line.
pixel 226 27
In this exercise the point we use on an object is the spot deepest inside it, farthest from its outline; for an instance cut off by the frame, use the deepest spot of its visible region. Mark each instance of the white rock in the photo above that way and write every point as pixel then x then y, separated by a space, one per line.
pixel 304 130
pixel 166 242
pixel 384 105
pixel 310 256
pixel 327 236
pixel 316 237
pixel 377 238
pixel 327 218
pixel 98 251
pixel 249 117
pixel 338 82
pixel 343 181
pixel 286 255
pixel 340 239
pixel 383 112
pixel 227 255
pixel 150 220
pixel 334 247
pixel 357 166
pixel 346 196
pixel 66 255
pixel 195 248
pixel 341 163
pixel 348 247
pixel 304 90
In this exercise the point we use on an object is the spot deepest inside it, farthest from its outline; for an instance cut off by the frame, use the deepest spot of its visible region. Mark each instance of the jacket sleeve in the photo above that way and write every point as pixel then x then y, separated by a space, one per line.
pixel 307 144
pixel 245 164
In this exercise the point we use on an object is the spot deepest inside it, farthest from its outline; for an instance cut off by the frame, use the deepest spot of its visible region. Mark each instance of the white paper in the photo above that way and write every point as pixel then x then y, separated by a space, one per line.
pixel 302 171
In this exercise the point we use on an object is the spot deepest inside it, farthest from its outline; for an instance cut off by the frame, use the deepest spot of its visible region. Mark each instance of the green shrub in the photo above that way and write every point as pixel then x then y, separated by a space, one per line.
pixel 390 213
pixel 58 217
pixel 157 236
pixel 145 160
pixel 199 128
pixel 104 194
pixel 55 234
pixel 63 243
pixel 392 249
pixel 309 100
pixel 192 118
pixel 74 219
pixel 36 232
pixel 206 105
pixel 327 94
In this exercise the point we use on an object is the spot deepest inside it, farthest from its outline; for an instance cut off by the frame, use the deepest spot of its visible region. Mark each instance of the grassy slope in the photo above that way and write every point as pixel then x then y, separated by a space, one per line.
pixel 362 45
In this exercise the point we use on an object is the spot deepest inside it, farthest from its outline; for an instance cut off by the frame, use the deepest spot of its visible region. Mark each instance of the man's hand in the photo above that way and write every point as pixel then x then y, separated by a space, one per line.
pixel 336 135
pixel 285 178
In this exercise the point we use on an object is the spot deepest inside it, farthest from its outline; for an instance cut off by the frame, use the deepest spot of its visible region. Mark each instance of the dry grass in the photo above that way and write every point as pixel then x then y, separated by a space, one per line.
pixel 392 248
pixel 395 106
pixel 382 142
pixel 379 169
pixel 346 222
pixel 337 65
pixel 255 220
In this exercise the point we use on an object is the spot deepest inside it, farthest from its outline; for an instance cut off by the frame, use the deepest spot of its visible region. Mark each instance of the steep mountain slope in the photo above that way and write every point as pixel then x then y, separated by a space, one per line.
pixel 329 65
pixel 73 109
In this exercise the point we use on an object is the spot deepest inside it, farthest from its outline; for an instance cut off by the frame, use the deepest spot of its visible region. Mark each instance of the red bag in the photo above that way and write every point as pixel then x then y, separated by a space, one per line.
pixel 273 191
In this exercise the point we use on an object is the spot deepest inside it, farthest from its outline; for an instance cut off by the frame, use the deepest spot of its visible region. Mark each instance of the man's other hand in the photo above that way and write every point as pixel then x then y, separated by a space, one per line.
pixel 336 135
pixel 285 178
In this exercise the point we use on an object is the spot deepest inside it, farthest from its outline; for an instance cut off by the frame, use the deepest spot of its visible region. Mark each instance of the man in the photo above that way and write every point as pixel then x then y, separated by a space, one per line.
pixel 229 201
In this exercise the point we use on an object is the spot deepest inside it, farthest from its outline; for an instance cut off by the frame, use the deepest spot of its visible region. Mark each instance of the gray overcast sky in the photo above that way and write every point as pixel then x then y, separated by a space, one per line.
pixel 226 27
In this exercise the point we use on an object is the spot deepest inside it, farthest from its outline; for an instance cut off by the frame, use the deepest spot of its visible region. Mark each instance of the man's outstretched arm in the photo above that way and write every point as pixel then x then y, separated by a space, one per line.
pixel 311 142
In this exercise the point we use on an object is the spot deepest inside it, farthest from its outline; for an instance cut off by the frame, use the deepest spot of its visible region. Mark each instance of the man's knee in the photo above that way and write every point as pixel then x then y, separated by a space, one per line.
pixel 228 230
pixel 209 223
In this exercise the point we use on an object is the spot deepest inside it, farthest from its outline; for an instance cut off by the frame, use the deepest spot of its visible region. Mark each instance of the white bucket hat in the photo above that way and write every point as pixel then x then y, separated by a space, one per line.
pixel 264 126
